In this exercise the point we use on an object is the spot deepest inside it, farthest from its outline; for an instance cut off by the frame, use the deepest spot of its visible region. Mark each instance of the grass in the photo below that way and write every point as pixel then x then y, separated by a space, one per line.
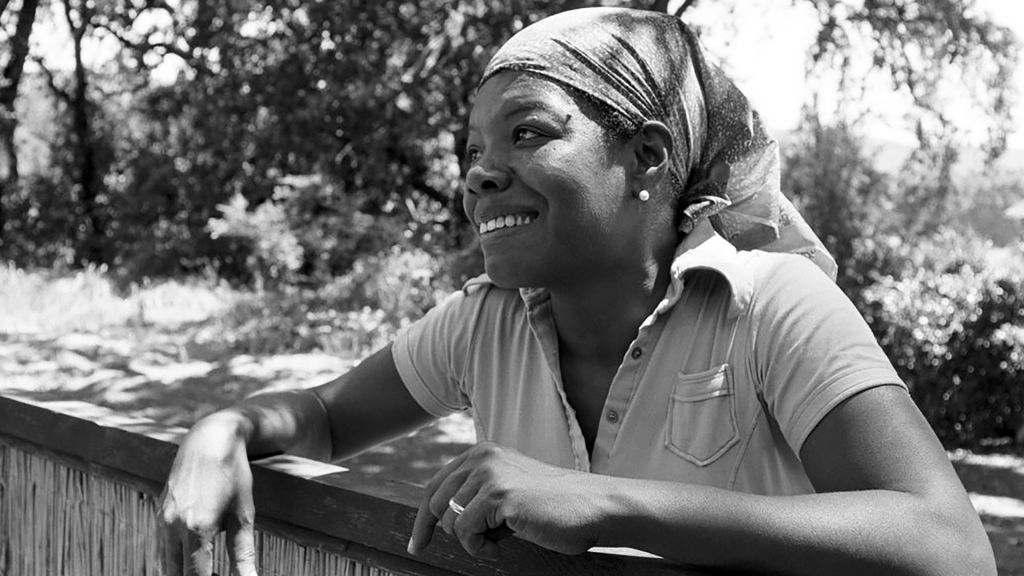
pixel 87 300
pixel 177 350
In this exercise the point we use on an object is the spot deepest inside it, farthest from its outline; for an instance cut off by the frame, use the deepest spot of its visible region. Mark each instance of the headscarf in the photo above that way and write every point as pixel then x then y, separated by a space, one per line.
pixel 648 65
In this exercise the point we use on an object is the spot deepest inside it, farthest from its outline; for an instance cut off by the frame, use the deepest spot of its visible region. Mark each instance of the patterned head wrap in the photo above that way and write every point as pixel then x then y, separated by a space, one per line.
pixel 648 65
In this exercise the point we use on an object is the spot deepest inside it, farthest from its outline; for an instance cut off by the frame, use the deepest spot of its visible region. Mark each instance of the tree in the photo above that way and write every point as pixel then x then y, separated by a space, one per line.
pixel 82 145
pixel 271 89
pixel 367 98
pixel 929 49
pixel 10 79
pixel 837 189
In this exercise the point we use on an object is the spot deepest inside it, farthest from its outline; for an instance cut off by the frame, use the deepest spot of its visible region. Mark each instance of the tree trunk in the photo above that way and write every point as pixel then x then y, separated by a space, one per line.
pixel 9 82
pixel 92 242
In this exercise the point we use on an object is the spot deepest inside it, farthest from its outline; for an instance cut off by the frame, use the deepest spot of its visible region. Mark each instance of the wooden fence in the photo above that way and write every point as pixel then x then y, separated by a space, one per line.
pixel 79 486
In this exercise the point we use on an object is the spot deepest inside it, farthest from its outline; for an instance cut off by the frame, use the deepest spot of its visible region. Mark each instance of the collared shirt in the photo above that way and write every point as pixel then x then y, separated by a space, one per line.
pixel 725 380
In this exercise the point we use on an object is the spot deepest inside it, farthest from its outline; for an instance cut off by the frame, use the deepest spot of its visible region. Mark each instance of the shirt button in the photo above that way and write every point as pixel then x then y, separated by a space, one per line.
pixel 612 416
pixel 636 353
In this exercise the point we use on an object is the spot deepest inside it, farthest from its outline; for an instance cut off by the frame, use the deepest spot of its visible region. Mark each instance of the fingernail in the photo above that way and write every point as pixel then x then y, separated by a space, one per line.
pixel 409 547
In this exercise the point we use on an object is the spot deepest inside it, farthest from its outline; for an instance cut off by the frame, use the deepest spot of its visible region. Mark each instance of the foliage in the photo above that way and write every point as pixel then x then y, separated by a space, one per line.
pixel 273 88
pixel 40 229
pixel 206 101
pixel 984 203
pixel 948 315
pixel 928 190
pixel 840 193
pixel 930 50
pixel 954 328
pixel 274 251
pixel 357 312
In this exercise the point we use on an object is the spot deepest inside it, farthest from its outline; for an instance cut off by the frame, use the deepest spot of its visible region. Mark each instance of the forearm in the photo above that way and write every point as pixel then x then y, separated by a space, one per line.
pixel 292 422
pixel 865 532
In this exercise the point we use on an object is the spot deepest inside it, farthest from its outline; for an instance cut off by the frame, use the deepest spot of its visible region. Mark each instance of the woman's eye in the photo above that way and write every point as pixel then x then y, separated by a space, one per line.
pixel 525 135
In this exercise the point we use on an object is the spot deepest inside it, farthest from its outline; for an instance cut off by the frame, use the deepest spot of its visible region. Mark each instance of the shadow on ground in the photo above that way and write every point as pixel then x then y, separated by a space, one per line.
pixel 173 379
pixel 996 484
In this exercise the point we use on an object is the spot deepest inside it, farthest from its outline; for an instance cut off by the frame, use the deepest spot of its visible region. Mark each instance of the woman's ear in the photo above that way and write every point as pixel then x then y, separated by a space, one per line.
pixel 652 148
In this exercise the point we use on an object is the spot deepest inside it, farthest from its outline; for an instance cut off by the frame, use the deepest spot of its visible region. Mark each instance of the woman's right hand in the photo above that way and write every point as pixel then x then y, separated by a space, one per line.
pixel 210 489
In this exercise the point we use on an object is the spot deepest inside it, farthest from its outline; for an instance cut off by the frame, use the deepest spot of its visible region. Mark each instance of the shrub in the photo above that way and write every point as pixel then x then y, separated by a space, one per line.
pixel 275 254
pixel 954 329
pixel 351 315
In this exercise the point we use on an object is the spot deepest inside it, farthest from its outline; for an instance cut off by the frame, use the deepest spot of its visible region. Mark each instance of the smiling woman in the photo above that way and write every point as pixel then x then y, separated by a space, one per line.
pixel 651 361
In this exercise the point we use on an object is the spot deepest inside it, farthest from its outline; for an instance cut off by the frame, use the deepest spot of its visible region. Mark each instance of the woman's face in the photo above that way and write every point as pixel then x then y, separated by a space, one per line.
pixel 546 189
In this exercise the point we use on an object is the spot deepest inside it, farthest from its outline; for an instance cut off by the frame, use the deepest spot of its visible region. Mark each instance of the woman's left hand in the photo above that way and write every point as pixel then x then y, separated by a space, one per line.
pixel 503 491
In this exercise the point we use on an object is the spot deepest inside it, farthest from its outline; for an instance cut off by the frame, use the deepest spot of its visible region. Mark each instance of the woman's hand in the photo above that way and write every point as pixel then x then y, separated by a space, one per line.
pixel 503 491
pixel 209 489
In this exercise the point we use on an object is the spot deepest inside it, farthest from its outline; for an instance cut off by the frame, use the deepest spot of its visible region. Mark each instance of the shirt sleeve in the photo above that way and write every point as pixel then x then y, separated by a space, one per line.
pixel 812 348
pixel 431 354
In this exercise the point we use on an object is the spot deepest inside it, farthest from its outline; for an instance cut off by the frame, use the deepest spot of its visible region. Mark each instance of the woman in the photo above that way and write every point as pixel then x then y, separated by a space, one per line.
pixel 636 379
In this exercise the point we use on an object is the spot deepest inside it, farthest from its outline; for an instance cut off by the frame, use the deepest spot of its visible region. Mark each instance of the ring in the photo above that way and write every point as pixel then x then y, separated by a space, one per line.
pixel 456 507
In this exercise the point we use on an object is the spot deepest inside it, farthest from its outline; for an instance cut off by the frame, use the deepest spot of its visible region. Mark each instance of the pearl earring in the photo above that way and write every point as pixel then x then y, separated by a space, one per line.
pixel 644 196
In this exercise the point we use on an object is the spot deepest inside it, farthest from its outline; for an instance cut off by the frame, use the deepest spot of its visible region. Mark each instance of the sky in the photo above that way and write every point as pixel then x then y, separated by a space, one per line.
pixel 765 50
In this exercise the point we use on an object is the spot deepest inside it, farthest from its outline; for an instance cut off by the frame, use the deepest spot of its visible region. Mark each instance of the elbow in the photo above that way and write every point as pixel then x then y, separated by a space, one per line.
pixel 979 557
pixel 959 544
pixel 976 557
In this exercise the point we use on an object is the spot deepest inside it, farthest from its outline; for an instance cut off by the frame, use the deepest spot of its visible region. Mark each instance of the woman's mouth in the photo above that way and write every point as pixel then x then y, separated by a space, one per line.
pixel 505 221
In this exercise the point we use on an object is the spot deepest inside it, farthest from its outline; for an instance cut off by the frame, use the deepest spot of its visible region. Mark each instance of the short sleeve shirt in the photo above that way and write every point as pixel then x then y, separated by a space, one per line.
pixel 725 380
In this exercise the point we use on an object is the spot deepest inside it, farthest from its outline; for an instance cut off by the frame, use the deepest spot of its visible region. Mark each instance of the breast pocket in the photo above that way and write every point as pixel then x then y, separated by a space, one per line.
pixel 701 416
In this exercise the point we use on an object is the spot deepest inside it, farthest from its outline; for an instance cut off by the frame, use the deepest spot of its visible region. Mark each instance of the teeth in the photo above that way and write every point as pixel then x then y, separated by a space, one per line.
pixel 508 221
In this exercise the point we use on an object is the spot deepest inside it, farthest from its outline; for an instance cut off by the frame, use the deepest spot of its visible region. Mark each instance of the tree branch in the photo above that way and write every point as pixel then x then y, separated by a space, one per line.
pixel 684 7
pixel 143 46
pixel 51 82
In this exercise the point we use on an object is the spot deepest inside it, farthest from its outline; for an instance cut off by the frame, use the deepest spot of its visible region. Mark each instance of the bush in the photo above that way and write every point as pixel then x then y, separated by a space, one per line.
pixel 275 254
pixel 38 229
pixel 349 316
pixel 954 329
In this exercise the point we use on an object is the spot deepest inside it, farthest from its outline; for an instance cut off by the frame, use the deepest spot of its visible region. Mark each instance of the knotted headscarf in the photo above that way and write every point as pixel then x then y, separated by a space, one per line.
pixel 648 65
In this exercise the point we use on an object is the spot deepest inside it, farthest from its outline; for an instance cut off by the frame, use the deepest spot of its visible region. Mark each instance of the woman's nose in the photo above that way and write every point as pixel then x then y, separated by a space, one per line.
pixel 486 177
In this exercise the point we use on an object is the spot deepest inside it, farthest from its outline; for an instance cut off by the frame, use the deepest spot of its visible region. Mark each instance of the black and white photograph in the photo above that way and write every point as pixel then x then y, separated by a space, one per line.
pixel 470 287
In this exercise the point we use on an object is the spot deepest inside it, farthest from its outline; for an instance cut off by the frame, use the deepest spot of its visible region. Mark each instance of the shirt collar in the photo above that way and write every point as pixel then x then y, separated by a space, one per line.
pixel 704 249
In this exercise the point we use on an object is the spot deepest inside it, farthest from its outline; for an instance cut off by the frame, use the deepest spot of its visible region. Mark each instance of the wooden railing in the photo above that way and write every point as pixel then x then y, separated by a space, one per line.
pixel 319 513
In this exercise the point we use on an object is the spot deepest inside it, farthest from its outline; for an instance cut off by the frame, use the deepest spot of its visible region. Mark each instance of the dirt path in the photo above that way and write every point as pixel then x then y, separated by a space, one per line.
pixel 176 376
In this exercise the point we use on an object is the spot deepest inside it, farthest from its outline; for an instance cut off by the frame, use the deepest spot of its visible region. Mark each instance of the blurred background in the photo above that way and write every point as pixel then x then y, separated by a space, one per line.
pixel 201 200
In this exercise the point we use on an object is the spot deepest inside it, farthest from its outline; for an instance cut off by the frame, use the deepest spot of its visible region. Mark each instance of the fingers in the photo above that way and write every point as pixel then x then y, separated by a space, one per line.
pixel 426 518
pixel 241 534
pixel 472 529
pixel 434 507
pixel 463 495
pixel 462 482
pixel 241 543
pixel 185 553
pixel 187 541
pixel 200 550
pixel 173 548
